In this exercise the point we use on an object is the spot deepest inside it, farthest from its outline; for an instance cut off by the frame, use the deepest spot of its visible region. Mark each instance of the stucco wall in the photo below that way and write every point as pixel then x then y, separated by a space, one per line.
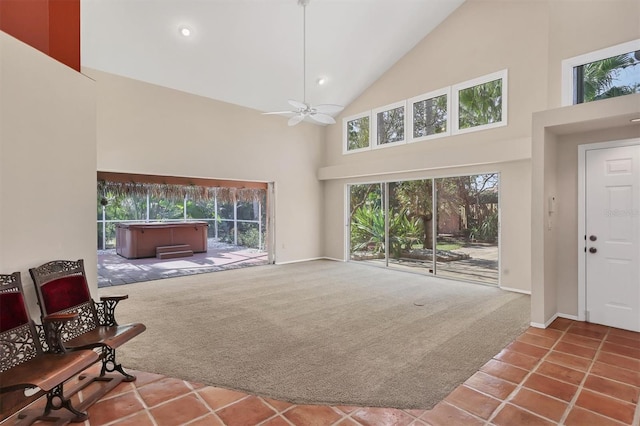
pixel 47 164
pixel 148 129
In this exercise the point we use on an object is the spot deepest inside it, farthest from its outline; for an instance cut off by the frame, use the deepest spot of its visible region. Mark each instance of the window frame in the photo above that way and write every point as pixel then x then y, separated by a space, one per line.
pixel 345 138
pixel 455 92
pixel 430 95
pixel 374 124
pixel 569 64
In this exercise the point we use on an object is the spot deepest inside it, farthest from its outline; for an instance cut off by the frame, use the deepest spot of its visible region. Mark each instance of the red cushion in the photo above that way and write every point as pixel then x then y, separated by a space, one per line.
pixel 64 293
pixel 12 311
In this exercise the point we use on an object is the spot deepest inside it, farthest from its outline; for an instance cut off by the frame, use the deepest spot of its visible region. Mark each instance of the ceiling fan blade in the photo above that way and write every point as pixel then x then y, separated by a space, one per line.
pixel 295 119
pixel 322 118
pixel 278 112
pixel 328 108
pixel 297 104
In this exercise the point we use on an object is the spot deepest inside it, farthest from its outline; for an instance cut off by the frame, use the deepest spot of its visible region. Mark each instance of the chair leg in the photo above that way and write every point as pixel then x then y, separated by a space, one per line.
pixel 55 402
pixel 110 365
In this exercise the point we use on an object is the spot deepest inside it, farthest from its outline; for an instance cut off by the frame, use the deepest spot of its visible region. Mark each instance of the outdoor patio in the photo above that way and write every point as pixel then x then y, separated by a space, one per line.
pixel 116 270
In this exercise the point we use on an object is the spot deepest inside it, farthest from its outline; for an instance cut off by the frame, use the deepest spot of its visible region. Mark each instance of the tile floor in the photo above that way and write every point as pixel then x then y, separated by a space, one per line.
pixel 572 373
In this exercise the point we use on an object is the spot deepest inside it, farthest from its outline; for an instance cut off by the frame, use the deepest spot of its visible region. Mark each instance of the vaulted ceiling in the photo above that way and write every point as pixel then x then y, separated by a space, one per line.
pixel 250 52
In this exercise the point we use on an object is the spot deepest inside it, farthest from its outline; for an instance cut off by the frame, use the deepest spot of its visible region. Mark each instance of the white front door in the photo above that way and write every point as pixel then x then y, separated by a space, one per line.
pixel 612 216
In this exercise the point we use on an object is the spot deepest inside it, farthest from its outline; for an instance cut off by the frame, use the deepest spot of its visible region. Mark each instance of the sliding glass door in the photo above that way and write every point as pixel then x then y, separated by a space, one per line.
pixel 395 224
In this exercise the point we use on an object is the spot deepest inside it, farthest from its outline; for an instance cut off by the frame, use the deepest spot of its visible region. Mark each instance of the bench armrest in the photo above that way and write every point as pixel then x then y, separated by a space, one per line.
pixel 53 325
pixel 106 309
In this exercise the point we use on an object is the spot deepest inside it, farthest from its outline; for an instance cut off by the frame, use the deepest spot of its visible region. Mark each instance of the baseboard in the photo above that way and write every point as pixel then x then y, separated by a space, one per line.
pixel 567 316
pixel 546 324
pixel 553 318
pixel 300 260
pixel 516 290
pixel 333 258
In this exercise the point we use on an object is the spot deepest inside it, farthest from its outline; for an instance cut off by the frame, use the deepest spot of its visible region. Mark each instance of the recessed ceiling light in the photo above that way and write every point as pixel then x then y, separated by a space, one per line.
pixel 185 31
pixel 635 120
pixel 321 81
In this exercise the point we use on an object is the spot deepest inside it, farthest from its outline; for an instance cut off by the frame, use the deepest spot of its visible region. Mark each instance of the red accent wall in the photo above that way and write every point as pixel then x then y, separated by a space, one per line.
pixel 51 26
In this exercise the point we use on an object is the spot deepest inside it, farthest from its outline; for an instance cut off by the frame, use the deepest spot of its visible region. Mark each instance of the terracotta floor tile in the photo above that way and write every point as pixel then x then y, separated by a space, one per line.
pixel 219 397
pixel 511 415
pixel 571 361
pixel 594 334
pixel 517 359
pixel 144 378
pixel 108 410
pixel 346 408
pixel 504 371
pixel 277 404
pixel 560 372
pixel 581 325
pixel 581 417
pixel 527 349
pixel 622 340
pixel 444 414
pixel 577 350
pixel 276 421
pixel 491 385
pixel 179 411
pixel 473 401
pixel 533 339
pixel 347 422
pixel 561 324
pixel 416 413
pixel 552 387
pixel 633 335
pixel 141 418
pixel 542 405
pixel 630 377
pixel 248 411
pixel 312 415
pixel 581 340
pixel 621 350
pixel 123 387
pixel 545 332
pixel 196 385
pixel 381 416
pixel 210 420
pixel 626 393
pixel 607 406
pixel 619 361
pixel 162 390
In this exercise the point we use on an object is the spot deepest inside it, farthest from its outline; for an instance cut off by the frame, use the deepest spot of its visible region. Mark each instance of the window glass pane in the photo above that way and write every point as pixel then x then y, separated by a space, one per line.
pixel 390 126
pixel 358 133
pixel 248 211
pixel 201 209
pixel 367 239
pixel 430 116
pixel 480 105
pixel 607 78
pixel 165 209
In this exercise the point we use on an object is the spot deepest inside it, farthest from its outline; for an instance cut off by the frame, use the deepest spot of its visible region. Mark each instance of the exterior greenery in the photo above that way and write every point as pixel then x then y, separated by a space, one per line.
pixel 358 133
pixel 615 76
pixel 390 126
pixel 480 105
pixel 430 116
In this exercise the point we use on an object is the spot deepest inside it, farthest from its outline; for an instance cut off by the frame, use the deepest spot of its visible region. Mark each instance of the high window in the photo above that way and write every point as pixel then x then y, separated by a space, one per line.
pixel 389 124
pixel 606 73
pixel 481 103
pixel 429 115
pixel 356 131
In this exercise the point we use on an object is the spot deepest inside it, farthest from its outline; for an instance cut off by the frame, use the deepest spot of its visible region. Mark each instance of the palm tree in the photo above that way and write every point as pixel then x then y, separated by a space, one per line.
pixel 599 78
pixel 481 104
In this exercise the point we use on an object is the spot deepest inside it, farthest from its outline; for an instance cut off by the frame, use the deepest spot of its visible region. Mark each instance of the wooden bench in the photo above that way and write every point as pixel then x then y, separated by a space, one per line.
pixel 61 286
pixel 24 364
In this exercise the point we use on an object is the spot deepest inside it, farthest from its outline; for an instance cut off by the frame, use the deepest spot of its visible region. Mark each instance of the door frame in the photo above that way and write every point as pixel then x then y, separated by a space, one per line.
pixel 582 232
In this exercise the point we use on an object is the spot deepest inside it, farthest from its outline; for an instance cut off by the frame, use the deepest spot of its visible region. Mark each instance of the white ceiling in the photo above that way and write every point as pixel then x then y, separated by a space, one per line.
pixel 250 52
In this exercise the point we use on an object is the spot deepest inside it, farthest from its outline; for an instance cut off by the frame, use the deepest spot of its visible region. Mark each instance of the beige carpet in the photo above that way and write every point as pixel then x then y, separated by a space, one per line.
pixel 320 332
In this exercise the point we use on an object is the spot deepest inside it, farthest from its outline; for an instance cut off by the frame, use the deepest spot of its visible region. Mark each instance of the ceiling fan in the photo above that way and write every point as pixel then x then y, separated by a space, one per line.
pixel 302 110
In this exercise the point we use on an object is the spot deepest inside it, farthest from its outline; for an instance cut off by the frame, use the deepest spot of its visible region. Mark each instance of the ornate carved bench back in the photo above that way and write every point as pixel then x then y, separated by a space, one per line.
pixel 18 339
pixel 62 287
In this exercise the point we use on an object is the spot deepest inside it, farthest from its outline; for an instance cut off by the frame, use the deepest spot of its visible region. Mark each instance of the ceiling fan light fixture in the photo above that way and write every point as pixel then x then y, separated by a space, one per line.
pixel 185 31
pixel 318 113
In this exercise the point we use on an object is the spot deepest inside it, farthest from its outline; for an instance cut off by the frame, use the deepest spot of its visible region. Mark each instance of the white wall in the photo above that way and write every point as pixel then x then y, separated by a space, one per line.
pixel 47 164
pixel 530 39
pixel 148 129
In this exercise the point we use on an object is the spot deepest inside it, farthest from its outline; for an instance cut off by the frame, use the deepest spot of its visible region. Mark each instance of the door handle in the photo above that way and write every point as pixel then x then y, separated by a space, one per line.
pixel 593 238
pixel 592 249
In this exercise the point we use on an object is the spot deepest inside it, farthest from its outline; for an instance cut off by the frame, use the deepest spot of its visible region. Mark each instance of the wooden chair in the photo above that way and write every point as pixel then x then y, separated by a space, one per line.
pixel 24 364
pixel 62 287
